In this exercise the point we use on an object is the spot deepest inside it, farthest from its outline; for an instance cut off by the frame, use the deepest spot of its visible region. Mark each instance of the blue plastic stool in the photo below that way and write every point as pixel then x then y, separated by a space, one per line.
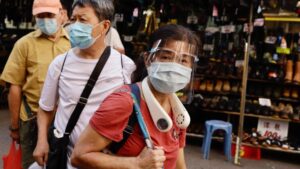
pixel 210 127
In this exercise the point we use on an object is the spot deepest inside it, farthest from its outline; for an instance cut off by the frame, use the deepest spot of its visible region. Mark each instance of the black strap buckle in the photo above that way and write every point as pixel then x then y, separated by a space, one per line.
pixel 128 129
pixel 83 100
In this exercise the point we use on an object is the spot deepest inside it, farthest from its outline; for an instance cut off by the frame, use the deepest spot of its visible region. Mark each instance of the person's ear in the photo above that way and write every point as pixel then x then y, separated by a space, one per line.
pixel 106 25
pixel 62 16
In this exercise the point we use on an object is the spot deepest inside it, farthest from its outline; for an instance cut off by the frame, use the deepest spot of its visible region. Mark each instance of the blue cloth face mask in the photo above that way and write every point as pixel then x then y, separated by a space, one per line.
pixel 169 77
pixel 81 35
pixel 47 25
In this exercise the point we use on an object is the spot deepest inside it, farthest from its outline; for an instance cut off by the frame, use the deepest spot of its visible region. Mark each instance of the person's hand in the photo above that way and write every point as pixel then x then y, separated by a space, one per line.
pixel 40 153
pixel 15 135
pixel 151 159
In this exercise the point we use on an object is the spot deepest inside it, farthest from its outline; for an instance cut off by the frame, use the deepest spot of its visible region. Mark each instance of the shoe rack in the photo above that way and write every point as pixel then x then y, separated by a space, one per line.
pixel 271 73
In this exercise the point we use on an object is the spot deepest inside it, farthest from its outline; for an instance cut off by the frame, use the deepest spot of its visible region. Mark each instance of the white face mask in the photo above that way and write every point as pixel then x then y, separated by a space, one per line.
pixel 168 77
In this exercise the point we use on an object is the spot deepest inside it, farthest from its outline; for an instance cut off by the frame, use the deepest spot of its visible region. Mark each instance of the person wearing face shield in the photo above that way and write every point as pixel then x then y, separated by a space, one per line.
pixel 69 74
pixel 158 140
pixel 26 69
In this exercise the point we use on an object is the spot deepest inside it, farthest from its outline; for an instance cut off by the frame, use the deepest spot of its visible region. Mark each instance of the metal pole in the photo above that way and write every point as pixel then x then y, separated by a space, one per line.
pixel 244 90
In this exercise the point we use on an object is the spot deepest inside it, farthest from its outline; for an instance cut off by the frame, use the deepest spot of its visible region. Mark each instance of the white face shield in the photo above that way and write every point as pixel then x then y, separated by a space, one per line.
pixel 167 53
pixel 174 51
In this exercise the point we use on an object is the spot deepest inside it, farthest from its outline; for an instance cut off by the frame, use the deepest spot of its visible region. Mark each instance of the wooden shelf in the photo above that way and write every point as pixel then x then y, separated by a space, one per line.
pixel 292 100
pixel 268 117
pixel 246 144
pixel 221 111
pixel 272 148
pixel 217 93
pixel 217 77
pixel 250 115
pixel 273 82
pixel 281 82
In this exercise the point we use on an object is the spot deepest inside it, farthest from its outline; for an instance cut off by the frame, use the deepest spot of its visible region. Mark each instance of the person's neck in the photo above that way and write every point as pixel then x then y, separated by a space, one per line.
pixel 93 52
pixel 55 36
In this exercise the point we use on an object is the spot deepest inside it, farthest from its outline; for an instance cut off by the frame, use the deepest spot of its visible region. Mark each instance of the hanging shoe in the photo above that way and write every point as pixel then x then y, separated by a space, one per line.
pixel 296 78
pixel 235 87
pixel 214 102
pixel 277 92
pixel 226 86
pixel 296 115
pixel 218 86
pixel 286 92
pixel 278 109
pixel 205 103
pixel 209 85
pixel 285 144
pixel 248 106
pixel 294 93
pixel 196 84
pixel 223 103
pixel 289 71
pixel 202 86
pixel 287 112
pixel 256 107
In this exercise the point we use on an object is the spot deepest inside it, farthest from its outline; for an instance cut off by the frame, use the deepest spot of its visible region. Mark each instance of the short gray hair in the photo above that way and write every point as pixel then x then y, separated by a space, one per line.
pixel 104 9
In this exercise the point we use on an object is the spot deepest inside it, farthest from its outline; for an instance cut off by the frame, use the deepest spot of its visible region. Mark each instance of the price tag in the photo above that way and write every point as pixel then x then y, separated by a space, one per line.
pixel 285 51
pixel 128 38
pixel 259 22
pixel 215 12
pixel 192 19
pixel 273 128
pixel 271 40
pixel 212 29
pixel 208 47
pixel 228 29
pixel 119 17
pixel 239 63
pixel 135 12
pixel 264 102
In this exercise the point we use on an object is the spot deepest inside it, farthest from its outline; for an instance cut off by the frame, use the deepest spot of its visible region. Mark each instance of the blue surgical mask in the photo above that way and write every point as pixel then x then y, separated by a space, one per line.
pixel 81 35
pixel 168 77
pixel 47 25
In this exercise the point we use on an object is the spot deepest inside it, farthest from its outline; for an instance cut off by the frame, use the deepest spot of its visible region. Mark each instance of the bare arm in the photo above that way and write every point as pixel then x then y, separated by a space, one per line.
pixel 121 50
pixel 14 103
pixel 44 119
pixel 180 164
pixel 87 155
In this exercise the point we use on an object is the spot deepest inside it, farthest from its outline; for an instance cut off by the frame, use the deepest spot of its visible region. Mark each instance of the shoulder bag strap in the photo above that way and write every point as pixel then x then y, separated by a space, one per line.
pixel 116 146
pixel 87 91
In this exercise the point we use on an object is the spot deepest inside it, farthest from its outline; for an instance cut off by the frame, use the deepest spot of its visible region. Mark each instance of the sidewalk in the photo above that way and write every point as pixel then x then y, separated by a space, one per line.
pixel 193 157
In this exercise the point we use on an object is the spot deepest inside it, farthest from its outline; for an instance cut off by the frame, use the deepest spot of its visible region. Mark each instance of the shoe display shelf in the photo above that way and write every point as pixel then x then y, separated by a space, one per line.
pixel 220 139
pixel 267 74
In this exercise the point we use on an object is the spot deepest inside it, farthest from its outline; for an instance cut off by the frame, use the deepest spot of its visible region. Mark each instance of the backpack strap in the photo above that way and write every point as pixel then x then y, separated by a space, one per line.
pixel 116 146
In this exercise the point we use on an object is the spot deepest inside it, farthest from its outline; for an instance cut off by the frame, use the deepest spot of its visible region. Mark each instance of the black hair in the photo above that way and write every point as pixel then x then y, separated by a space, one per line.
pixel 67 5
pixel 104 9
pixel 165 33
